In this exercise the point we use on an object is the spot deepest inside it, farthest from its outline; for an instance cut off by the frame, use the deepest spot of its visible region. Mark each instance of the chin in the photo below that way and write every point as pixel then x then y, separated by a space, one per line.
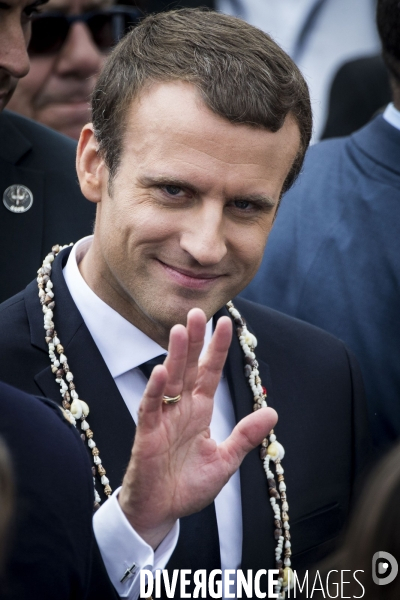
pixel 177 313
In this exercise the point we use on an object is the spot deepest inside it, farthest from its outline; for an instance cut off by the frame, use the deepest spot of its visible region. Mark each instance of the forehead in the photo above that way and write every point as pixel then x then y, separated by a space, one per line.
pixel 75 6
pixel 170 128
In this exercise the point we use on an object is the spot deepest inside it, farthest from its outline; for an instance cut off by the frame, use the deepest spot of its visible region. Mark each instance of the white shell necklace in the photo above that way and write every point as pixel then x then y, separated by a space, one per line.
pixel 76 409
pixel 271 451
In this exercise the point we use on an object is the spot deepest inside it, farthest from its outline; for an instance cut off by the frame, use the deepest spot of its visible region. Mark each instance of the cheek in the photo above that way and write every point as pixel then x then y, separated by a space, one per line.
pixel 249 244
pixel 253 257
pixel 133 229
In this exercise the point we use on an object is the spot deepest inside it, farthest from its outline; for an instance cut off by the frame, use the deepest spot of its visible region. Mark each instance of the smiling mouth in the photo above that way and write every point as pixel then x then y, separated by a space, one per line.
pixel 189 278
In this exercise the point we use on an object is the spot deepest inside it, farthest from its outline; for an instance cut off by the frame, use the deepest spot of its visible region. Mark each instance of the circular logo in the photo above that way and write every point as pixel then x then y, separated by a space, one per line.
pixel 18 198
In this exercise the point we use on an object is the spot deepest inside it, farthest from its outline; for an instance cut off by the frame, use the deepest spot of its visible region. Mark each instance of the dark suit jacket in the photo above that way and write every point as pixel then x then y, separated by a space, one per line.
pixel 44 161
pixel 333 258
pixel 311 379
pixel 49 554
pixel 359 90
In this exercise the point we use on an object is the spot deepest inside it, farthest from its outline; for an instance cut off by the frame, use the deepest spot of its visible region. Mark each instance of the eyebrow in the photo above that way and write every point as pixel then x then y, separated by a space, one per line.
pixel 149 181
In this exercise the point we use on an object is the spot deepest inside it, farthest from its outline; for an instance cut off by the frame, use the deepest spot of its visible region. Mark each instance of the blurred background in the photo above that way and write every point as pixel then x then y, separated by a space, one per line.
pixel 69 44
pixel 334 42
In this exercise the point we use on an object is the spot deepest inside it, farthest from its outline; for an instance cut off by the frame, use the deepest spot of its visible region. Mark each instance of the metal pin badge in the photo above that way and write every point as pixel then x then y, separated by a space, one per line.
pixel 18 198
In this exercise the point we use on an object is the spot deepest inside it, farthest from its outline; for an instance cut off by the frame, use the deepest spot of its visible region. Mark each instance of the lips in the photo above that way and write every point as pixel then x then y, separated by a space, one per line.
pixel 189 278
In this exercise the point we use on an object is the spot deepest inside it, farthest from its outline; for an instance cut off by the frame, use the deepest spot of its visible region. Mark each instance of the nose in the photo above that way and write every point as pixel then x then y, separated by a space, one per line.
pixel 204 235
pixel 79 56
pixel 13 42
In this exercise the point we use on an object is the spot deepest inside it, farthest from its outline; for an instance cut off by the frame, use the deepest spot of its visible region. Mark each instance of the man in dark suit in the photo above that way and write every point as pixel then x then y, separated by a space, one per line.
pixel 186 194
pixel 360 89
pixel 39 193
pixel 333 256
pixel 49 537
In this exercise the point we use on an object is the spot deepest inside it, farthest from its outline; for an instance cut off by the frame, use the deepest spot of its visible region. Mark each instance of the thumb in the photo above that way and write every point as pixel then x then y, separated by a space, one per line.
pixel 248 434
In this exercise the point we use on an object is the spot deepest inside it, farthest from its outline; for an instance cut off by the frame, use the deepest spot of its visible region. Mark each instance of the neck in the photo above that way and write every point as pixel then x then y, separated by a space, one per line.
pixel 102 282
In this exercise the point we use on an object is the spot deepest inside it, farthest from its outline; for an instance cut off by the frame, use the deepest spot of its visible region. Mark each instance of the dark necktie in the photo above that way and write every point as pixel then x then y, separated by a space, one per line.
pixel 198 544
pixel 148 366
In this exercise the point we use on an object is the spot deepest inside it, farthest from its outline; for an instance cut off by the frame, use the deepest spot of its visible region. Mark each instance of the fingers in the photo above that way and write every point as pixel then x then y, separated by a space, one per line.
pixel 150 409
pixel 175 362
pixel 180 370
pixel 215 357
pixel 185 345
pixel 248 434
pixel 196 328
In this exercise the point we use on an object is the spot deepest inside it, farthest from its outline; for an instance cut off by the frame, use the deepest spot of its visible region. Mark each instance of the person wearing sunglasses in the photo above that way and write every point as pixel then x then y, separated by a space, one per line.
pixel 69 43
pixel 39 193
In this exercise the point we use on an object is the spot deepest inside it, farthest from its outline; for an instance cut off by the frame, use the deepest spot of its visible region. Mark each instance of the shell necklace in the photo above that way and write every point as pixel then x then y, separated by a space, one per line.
pixel 75 409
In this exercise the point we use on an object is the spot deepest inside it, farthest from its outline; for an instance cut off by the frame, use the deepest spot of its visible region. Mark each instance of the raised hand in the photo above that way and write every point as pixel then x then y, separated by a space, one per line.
pixel 176 469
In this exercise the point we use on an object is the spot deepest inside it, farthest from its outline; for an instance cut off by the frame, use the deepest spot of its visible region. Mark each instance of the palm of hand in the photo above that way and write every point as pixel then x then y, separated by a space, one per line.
pixel 176 468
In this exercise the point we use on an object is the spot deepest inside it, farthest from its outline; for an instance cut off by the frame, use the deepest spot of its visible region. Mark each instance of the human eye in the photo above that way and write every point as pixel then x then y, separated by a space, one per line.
pixel 243 207
pixel 172 190
pixel 243 204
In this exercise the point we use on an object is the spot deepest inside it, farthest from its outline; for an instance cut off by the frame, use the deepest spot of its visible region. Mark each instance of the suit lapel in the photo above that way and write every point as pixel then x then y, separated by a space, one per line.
pixel 258 528
pixel 109 417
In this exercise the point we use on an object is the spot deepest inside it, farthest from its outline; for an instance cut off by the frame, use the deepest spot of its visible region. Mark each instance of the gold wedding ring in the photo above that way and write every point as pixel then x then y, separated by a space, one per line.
pixel 171 399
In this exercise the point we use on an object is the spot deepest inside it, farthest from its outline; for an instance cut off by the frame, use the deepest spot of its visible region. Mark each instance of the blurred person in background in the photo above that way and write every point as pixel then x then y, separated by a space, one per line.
pixel 39 193
pixel 319 35
pixel 69 43
pixel 374 527
pixel 47 548
pixel 332 258
pixel 360 90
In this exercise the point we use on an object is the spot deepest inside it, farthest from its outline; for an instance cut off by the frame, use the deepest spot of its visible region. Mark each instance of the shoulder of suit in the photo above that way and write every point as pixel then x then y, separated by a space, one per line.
pixel 322 161
pixel 277 327
pixel 14 327
pixel 36 408
pixel 12 304
pixel 45 141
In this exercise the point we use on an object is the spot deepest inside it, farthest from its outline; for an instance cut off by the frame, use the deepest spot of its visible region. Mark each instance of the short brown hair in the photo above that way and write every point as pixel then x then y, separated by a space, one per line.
pixel 240 72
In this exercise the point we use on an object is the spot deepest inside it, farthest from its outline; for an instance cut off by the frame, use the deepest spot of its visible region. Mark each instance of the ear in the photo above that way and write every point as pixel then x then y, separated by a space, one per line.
pixel 92 172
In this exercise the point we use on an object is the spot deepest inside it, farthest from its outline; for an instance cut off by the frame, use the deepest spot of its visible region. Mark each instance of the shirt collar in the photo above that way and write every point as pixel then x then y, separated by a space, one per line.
pixel 392 115
pixel 122 345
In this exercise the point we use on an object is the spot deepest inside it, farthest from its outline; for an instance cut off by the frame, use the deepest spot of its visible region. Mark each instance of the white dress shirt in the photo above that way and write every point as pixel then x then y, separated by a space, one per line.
pixel 392 115
pixel 123 348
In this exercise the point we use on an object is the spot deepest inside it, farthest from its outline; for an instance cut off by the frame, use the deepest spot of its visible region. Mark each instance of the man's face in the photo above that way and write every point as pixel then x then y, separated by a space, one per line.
pixel 15 27
pixel 190 210
pixel 57 90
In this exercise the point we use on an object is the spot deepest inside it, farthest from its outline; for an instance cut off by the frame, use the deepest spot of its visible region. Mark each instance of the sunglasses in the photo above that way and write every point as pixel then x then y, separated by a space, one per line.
pixel 107 27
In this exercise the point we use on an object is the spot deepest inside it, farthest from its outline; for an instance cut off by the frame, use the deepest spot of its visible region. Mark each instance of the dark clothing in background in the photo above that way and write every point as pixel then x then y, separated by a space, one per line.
pixel 312 381
pixel 43 161
pixel 333 259
pixel 360 89
pixel 50 550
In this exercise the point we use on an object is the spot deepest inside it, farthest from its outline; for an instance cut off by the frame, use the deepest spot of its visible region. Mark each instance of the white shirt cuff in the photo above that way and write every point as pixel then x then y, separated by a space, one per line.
pixel 121 547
